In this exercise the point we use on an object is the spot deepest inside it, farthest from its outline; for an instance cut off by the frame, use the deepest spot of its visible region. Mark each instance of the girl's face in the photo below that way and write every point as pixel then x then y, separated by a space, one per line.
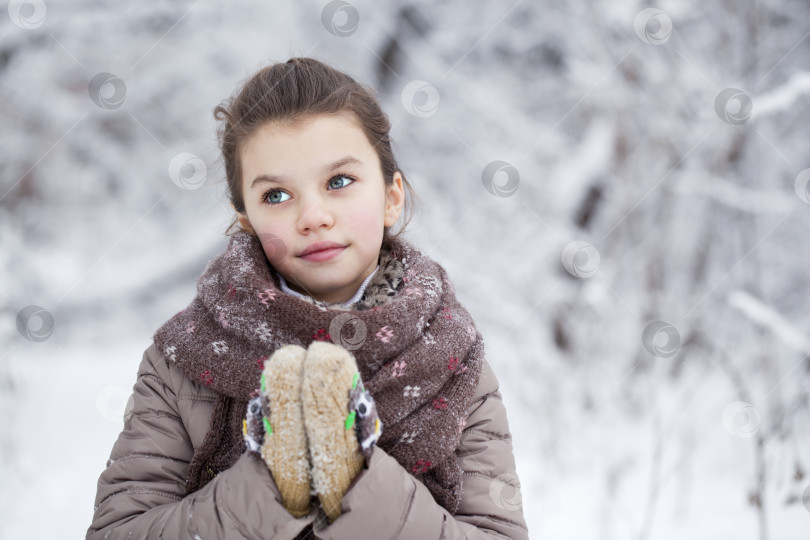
pixel 318 180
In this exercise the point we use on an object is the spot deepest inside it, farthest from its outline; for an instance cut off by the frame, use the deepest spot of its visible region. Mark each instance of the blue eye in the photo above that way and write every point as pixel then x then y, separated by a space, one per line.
pixel 272 196
pixel 276 196
pixel 340 177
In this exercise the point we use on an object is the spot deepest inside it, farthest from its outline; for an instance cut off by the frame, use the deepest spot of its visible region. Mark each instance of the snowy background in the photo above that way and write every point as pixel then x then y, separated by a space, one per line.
pixel 619 190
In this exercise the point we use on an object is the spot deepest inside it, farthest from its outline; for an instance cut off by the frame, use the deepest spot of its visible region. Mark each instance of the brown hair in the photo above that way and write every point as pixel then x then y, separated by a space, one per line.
pixel 289 92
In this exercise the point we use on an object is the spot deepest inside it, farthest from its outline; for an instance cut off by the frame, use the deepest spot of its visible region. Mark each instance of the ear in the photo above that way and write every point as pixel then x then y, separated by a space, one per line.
pixel 394 200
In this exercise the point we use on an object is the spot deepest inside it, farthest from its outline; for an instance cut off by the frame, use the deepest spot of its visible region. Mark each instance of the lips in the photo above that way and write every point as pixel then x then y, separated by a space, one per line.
pixel 323 254
pixel 320 246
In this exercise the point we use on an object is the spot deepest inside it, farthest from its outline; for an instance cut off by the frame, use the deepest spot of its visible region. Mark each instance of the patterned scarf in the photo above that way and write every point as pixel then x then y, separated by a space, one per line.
pixel 416 346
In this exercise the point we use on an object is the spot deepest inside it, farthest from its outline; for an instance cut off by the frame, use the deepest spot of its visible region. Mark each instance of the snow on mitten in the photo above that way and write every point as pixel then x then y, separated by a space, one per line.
pixel 284 446
pixel 336 454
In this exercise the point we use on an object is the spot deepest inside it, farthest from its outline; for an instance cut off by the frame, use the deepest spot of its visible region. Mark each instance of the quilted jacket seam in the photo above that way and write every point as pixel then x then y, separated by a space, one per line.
pixel 479 474
pixel 143 455
pixel 491 435
pixel 196 397
pixel 477 402
pixel 404 518
pixel 502 521
pixel 157 414
pixel 240 527
pixel 159 380
pixel 140 491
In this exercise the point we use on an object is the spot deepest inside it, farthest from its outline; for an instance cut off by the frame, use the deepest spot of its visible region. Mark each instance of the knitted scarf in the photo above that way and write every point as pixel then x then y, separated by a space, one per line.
pixel 416 346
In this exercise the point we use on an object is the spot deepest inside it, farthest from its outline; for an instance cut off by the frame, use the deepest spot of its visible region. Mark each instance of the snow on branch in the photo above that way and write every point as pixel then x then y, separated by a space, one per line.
pixel 782 97
pixel 754 201
pixel 765 315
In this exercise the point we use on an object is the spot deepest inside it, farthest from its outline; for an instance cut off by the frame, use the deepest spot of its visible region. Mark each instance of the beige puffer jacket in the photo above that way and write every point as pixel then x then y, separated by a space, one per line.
pixel 141 493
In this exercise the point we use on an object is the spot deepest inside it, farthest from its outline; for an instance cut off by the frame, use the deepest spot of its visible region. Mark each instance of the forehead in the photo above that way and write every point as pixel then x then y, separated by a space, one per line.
pixel 285 148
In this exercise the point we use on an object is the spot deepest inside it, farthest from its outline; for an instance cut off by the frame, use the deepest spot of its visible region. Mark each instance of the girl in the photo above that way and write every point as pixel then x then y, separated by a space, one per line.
pixel 312 302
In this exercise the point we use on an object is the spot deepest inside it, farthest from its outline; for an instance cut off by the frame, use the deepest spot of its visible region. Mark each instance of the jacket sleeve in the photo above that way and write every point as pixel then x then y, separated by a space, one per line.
pixel 491 505
pixel 141 493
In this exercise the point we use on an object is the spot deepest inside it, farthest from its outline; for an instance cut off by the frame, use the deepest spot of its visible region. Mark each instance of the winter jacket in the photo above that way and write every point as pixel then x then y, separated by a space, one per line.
pixel 141 492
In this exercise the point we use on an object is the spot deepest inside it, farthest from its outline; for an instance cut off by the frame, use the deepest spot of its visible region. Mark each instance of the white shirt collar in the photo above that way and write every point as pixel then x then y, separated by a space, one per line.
pixel 356 298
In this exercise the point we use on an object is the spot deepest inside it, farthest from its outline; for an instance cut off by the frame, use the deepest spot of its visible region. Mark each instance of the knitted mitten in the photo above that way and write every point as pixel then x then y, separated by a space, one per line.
pixel 338 415
pixel 284 446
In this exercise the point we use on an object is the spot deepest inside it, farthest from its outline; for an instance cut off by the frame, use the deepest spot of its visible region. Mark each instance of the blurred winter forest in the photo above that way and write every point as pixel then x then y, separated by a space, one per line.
pixel 618 189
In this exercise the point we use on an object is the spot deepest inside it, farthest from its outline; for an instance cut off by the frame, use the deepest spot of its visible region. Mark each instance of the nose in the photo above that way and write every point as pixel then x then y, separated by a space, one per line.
pixel 314 215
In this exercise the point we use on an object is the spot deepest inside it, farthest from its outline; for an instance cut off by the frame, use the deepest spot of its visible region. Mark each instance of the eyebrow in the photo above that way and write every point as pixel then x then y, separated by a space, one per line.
pixel 342 162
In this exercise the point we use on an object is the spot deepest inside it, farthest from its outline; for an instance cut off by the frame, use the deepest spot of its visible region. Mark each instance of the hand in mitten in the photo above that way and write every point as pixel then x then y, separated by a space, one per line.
pixel 274 427
pixel 340 419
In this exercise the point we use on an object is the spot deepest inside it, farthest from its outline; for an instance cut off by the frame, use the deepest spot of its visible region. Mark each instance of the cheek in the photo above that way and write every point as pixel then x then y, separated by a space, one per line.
pixel 274 243
pixel 367 223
